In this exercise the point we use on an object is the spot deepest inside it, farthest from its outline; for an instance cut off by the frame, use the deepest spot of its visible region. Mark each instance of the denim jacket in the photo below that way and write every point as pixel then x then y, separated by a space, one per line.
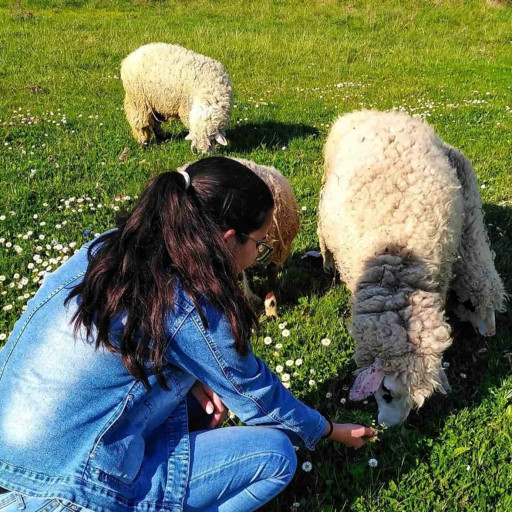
pixel 74 424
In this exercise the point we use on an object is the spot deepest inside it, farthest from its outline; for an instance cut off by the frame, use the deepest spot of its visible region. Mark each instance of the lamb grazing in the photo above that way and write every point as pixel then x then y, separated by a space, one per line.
pixel 164 81
pixel 283 230
pixel 400 217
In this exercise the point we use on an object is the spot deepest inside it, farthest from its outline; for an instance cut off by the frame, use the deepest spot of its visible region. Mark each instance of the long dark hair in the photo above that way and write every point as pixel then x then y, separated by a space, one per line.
pixel 172 232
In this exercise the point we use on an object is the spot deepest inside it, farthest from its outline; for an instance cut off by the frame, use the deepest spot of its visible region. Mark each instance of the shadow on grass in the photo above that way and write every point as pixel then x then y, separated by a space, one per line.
pixel 477 365
pixel 268 135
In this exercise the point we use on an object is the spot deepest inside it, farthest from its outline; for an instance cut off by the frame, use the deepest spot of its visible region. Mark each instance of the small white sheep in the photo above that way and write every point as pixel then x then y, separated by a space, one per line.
pixel 164 81
pixel 400 218
pixel 283 230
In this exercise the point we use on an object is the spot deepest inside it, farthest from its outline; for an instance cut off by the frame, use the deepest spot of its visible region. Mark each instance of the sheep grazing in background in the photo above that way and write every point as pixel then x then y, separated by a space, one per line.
pixel 164 81
pixel 283 230
pixel 400 217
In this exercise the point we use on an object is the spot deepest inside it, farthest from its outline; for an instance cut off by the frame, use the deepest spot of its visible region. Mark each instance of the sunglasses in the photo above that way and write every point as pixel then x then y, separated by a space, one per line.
pixel 264 249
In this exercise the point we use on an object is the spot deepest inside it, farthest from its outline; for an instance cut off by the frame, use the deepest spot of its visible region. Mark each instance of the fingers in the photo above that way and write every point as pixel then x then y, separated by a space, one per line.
pixel 204 400
pixel 220 410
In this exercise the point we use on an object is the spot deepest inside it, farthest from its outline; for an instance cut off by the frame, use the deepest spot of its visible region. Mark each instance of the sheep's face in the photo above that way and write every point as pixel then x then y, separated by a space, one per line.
pixel 482 319
pixel 393 400
pixel 393 397
pixel 204 144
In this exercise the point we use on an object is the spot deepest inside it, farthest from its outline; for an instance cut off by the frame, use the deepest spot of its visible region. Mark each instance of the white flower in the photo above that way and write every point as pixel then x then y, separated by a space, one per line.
pixel 289 362
pixel 8 307
pixel 3 337
pixel 446 364
pixel 286 385
pixel 283 325
pixel 2 278
pixel 307 467
pixel 285 377
pixel 298 362
pixel 285 333
pixel 296 504
pixel 326 342
pixel 304 208
pixel 343 401
pixel 279 345
pixel 328 395
pixel 468 467
pixel 312 371
pixel 463 375
pixel 2 217
pixel 373 463
pixel 35 216
pixel 279 368
pixel 267 340
pixel 312 382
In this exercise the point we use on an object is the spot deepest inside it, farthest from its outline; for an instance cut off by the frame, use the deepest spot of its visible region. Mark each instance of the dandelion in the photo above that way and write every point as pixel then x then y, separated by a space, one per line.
pixel 373 463
pixel 279 368
pixel 326 342
pixel 285 333
pixel 307 467
pixel 267 340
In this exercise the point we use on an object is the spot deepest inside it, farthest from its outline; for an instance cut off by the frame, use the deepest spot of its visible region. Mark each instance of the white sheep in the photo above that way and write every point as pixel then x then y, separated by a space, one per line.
pixel 164 81
pixel 283 230
pixel 400 218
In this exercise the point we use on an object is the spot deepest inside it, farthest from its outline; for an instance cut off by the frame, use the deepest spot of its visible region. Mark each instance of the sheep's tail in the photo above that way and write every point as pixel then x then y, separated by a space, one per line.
pixel 399 321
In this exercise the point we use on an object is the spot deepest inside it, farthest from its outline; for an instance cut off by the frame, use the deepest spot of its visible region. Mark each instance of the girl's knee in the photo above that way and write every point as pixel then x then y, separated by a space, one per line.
pixel 279 443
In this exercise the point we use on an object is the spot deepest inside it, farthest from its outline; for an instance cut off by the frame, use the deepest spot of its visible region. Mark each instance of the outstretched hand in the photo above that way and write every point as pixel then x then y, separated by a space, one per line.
pixel 210 402
pixel 352 435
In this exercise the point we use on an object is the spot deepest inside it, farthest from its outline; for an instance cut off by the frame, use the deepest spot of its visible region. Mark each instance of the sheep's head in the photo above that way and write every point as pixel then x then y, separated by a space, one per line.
pixel 206 122
pixel 393 398
pixel 481 318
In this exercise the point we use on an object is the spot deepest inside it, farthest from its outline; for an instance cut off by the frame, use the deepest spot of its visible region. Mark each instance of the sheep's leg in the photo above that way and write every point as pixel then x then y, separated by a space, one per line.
pixel 247 281
pixel 139 119
pixel 327 255
pixel 270 297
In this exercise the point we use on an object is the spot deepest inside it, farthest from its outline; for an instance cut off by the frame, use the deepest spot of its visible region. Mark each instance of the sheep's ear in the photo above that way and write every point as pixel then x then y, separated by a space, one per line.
pixel 367 382
pixel 188 137
pixel 221 139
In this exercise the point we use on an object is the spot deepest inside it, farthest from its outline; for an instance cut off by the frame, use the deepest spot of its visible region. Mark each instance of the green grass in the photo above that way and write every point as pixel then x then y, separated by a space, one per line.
pixel 295 66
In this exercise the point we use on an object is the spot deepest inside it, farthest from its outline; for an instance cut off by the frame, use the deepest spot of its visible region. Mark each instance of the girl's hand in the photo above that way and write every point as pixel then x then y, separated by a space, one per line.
pixel 352 435
pixel 210 402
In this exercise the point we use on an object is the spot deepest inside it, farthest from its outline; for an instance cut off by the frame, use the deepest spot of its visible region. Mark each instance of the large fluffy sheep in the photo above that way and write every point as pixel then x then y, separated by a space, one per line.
pixel 284 228
pixel 400 218
pixel 164 81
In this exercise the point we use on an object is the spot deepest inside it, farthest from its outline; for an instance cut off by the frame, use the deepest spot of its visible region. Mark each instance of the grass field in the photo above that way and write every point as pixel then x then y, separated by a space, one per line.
pixel 295 66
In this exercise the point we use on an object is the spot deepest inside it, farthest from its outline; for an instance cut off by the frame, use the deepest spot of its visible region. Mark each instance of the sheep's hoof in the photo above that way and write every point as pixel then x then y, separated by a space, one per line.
pixel 271 305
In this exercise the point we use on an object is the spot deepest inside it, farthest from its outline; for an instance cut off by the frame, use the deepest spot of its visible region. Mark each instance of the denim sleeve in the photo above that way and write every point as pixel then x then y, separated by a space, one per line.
pixel 244 383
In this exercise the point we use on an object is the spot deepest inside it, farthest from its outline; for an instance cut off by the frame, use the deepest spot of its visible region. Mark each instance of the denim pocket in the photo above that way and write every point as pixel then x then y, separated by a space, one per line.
pixel 118 453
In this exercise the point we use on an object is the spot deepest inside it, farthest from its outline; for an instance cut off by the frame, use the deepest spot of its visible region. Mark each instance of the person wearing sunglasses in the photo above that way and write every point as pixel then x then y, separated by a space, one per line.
pixel 137 339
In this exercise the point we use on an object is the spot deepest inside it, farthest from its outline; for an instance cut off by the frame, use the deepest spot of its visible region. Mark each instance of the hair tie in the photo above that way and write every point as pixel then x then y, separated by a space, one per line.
pixel 187 178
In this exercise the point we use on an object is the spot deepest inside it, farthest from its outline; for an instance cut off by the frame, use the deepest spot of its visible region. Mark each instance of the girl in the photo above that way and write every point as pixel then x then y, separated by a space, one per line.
pixel 95 379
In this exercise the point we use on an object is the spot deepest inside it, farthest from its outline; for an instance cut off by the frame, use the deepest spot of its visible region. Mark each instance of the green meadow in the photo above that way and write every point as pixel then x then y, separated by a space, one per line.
pixel 295 65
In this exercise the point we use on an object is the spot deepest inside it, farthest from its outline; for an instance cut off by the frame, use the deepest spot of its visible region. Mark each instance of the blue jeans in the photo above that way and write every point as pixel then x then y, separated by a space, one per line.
pixel 233 469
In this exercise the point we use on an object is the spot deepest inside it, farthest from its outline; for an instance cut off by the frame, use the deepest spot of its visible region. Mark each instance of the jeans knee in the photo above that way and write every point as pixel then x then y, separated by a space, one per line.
pixel 282 445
